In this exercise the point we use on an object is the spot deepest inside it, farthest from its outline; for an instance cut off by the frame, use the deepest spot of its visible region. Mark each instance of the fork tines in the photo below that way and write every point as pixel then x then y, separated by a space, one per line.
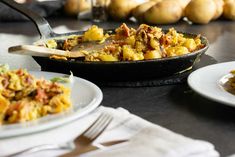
pixel 98 126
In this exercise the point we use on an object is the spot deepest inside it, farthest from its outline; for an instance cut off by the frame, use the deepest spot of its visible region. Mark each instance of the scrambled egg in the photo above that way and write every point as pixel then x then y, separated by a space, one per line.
pixel 231 80
pixel 24 98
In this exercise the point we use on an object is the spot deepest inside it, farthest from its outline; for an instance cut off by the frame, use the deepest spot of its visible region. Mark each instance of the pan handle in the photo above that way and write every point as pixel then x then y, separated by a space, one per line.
pixel 41 23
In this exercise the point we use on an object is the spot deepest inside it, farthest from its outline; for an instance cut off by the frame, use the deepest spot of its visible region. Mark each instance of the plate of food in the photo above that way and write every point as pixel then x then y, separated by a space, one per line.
pixel 35 101
pixel 123 54
pixel 215 82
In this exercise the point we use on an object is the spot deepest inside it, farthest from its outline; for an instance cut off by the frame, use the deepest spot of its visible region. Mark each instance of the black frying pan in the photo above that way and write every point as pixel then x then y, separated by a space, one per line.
pixel 110 71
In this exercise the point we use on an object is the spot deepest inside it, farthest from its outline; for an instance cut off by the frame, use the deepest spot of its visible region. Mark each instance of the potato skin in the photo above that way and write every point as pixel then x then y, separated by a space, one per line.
pixel 73 7
pixel 121 9
pixel 156 1
pixel 139 11
pixel 164 12
pixel 200 11
pixel 229 9
pixel 219 8
pixel 183 3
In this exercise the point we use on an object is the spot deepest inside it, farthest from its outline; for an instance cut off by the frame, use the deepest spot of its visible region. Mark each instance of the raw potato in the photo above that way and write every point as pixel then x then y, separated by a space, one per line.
pixel 156 1
pixel 229 9
pixel 184 3
pixel 219 8
pixel 200 11
pixel 121 9
pixel 103 2
pixel 73 7
pixel 139 11
pixel 164 12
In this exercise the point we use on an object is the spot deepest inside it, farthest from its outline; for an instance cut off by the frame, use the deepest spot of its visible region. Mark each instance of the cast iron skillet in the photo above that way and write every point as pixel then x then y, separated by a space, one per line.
pixel 110 71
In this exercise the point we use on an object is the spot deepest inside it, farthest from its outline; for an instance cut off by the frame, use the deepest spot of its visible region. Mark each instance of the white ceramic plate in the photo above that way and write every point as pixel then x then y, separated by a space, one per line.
pixel 85 97
pixel 207 82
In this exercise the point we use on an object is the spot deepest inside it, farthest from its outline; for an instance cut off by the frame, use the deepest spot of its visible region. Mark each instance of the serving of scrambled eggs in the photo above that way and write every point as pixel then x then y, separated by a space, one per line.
pixel 25 98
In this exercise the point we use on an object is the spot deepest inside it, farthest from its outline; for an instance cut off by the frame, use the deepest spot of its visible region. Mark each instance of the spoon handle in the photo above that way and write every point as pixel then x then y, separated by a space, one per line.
pixel 36 51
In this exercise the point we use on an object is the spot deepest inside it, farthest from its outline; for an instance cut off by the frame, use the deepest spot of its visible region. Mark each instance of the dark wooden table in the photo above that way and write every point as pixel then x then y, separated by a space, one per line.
pixel 175 107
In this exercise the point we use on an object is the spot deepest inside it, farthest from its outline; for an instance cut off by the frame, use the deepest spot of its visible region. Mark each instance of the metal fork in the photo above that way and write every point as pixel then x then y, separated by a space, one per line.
pixel 80 144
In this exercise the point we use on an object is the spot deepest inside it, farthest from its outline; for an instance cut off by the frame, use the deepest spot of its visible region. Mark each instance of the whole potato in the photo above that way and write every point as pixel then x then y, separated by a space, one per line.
pixel 102 2
pixel 219 8
pixel 121 9
pixel 183 4
pixel 139 11
pixel 164 12
pixel 156 1
pixel 73 7
pixel 200 11
pixel 229 9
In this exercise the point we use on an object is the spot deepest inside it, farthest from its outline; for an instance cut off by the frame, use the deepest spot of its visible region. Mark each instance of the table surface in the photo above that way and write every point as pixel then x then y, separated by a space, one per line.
pixel 175 107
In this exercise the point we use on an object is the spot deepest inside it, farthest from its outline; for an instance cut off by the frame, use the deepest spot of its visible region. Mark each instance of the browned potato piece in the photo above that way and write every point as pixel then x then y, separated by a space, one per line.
pixel 153 54
pixel 190 44
pixel 107 57
pixel 94 33
pixel 229 9
pixel 176 51
pixel 130 53
pixel 200 11
pixel 164 12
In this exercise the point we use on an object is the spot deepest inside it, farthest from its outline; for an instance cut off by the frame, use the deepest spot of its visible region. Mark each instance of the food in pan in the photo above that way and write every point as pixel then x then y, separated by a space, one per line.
pixel 129 44
pixel 25 98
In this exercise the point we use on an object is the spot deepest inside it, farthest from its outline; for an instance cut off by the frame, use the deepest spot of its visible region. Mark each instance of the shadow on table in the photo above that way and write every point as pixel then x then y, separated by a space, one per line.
pixel 196 103
pixel 201 106
pixel 205 119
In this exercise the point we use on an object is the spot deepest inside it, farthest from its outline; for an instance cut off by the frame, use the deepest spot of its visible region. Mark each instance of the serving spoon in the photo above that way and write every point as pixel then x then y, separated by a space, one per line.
pixel 77 51
pixel 41 51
